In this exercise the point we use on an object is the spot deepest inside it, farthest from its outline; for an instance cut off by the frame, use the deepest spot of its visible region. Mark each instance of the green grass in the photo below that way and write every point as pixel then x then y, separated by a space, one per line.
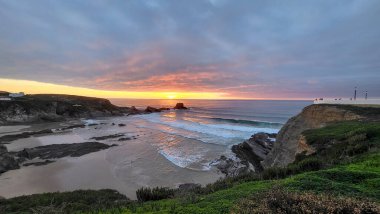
pixel 341 168
pixel 358 179
pixel 343 130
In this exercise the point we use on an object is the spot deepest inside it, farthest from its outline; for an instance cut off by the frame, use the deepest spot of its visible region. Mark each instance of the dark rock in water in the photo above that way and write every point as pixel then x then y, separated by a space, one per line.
pixel 133 110
pixel 107 137
pixel 8 138
pixel 72 127
pixel 7 161
pixel 255 149
pixel 121 124
pixel 180 106
pixel 230 167
pixel 124 139
pixel 151 110
pixel 41 163
pixel 164 109
pixel 62 150
pixel 113 124
pixel 249 155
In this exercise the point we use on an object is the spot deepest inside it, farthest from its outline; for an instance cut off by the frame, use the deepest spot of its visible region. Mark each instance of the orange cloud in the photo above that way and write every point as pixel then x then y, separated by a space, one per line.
pixel 33 87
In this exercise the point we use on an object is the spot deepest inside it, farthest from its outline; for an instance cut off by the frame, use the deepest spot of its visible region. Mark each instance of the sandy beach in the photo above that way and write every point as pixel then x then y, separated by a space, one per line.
pixel 130 165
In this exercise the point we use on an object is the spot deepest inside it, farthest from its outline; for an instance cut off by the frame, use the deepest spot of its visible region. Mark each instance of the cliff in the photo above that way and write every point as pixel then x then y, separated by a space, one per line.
pixel 53 107
pixel 290 141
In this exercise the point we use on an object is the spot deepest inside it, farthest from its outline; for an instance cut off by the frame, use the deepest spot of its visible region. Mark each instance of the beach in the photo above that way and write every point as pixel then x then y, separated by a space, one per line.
pixel 159 149
pixel 130 165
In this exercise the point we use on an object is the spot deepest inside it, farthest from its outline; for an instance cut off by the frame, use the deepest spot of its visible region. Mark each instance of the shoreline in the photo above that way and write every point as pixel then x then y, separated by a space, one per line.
pixel 130 169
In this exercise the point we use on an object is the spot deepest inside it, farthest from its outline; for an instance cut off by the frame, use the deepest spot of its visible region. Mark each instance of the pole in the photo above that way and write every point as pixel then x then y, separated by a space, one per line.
pixel 366 94
pixel 355 94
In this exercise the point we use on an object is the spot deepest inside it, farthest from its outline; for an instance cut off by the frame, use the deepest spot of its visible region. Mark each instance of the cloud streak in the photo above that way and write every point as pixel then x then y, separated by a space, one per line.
pixel 251 49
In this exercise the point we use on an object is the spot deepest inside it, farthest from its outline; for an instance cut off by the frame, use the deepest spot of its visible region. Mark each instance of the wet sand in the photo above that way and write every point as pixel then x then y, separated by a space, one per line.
pixel 127 167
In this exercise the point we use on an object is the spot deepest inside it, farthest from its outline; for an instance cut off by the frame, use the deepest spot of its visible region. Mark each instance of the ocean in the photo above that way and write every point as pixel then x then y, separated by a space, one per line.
pixel 194 138
pixel 163 149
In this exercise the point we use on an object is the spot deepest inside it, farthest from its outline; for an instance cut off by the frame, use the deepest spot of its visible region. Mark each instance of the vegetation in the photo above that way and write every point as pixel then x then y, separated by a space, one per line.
pixel 157 193
pixel 65 202
pixel 278 200
pixel 343 176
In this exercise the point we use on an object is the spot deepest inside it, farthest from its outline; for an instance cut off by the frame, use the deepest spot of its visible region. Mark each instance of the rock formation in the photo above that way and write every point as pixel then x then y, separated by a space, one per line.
pixel 290 141
pixel 150 109
pixel 180 106
pixel 7 161
pixel 249 155
pixel 49 107
pixel 54 151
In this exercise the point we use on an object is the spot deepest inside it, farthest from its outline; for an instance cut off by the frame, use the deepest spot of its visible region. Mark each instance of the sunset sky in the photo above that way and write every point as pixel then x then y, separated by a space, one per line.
pixel 206 49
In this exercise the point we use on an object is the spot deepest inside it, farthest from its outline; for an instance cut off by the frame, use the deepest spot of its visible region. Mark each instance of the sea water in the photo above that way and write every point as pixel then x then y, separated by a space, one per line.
pixel 194 138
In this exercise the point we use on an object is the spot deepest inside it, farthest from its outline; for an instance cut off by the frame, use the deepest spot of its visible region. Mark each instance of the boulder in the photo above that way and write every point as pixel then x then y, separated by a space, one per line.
pixel 150 109
pixel 7 161
pixel 231 167
pixel 180 106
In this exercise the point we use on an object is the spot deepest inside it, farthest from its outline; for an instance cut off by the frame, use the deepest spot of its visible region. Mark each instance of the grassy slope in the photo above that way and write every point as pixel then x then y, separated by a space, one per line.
pixel 348 171
pixel 359 179
pixel 356 175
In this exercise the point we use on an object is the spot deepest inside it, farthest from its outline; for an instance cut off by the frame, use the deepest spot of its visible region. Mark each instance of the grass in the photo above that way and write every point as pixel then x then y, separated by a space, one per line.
pixel 344 171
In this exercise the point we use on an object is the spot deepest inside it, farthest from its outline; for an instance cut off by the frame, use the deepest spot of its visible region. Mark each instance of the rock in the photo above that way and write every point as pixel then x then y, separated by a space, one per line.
pixel 72 127
pixel 289 140
pixel 151 110
pixel 124 139
pixel 121 124
pixel 230 167
pixel 40 163
pixel 164 109
pixel 54 107
pixel 62 150
pixel 180 106
pixel 107 137
pixel 249 154
pixel 133 110
pixel 7 161
pixel 8 138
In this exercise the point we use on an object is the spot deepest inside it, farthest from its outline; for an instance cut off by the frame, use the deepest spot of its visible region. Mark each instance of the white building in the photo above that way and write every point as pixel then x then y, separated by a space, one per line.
pixel 347 101
pixel 13 95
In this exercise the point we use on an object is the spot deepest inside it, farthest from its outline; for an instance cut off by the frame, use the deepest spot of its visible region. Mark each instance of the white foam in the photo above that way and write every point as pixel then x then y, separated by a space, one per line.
pixel 91 122
pixel 220 130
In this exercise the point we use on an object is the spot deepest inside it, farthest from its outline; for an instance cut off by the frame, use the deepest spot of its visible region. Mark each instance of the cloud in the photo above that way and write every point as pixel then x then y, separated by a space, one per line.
pixel 248 48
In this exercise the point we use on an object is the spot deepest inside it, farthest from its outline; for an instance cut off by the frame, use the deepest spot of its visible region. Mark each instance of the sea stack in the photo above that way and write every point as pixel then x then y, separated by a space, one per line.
pixel 180 106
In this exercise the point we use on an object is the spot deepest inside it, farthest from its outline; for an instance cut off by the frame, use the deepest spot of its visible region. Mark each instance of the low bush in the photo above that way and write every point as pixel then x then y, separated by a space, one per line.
pixel 152 194
pixel 64 202
pixel 278 200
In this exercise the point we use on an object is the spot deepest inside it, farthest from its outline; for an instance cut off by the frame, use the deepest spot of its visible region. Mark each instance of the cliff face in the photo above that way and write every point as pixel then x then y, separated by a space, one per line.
pixel 47 107
pixel 290 141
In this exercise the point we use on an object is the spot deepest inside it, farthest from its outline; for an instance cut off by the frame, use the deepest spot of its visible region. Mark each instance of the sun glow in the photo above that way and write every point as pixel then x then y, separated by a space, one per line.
pixel 172 96
pixel 34 87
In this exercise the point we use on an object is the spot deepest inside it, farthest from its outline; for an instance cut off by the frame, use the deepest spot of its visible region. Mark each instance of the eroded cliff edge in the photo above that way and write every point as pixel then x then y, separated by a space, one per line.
pixel 290 141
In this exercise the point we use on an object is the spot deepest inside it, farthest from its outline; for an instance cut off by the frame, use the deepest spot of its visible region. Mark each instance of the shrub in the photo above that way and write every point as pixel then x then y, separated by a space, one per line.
pixel 278 200
pixel 66 202
pixel 152 194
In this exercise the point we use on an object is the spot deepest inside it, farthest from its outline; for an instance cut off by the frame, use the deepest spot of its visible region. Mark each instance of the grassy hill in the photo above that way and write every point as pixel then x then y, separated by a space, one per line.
pixel 342 176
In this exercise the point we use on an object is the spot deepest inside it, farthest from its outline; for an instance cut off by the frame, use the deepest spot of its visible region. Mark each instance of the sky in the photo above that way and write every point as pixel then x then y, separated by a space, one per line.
pixel 206 49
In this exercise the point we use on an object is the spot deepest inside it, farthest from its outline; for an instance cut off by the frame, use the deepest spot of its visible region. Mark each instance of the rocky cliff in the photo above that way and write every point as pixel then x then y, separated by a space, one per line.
pixel 49 107
pixel 290 140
